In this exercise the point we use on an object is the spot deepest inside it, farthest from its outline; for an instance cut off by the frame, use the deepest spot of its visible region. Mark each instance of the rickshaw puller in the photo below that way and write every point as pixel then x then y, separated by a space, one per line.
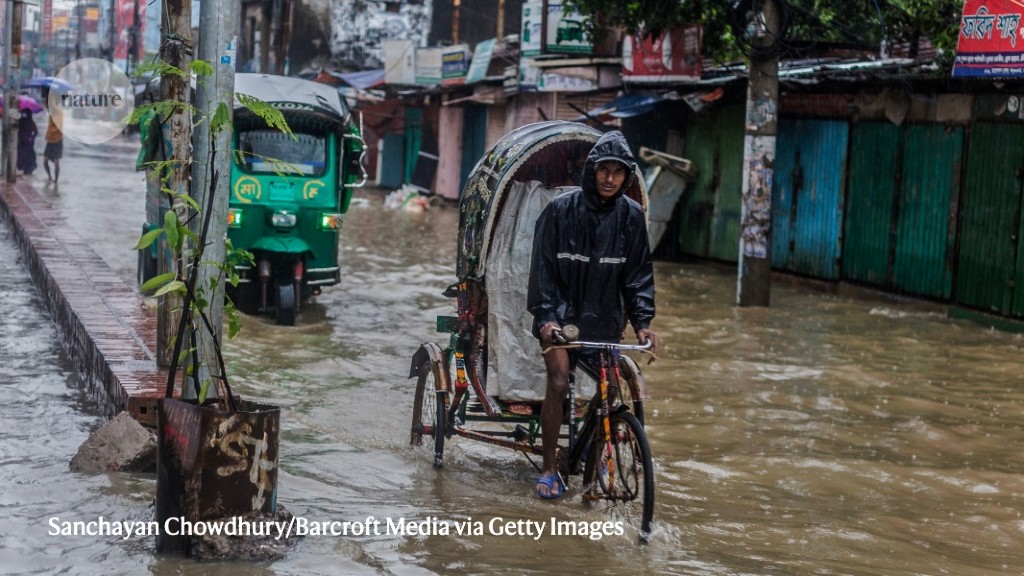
pixel 591 266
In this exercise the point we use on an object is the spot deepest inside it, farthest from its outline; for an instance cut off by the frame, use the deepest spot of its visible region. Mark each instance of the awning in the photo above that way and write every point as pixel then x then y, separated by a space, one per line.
pixel 364 79
pixel 625 106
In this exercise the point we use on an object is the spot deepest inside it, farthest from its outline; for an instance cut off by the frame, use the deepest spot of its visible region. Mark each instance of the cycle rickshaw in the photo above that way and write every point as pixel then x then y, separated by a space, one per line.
pixel 486 384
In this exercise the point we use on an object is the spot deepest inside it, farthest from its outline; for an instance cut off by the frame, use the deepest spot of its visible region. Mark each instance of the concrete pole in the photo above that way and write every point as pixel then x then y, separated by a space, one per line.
pixel 754 282
pixel 176 50
pixel 10 95
pixel 218 38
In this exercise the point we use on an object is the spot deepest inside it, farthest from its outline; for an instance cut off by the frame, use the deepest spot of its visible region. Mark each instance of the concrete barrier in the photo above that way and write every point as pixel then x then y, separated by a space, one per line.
pixel 107 330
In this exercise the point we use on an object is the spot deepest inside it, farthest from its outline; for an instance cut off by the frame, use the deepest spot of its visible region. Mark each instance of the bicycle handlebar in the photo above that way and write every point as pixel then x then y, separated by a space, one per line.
pixel 566 337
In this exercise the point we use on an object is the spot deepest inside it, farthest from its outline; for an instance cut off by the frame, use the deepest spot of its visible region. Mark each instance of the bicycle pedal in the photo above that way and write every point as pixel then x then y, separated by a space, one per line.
pixel 520 433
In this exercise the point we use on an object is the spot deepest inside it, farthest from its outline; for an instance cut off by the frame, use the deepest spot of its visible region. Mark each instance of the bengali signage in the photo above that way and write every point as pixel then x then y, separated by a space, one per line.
pixel 454 64
pixel 672 56
pixel 990 43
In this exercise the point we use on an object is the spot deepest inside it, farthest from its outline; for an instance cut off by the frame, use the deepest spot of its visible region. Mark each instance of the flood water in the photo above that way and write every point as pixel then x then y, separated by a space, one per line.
pixel 827 434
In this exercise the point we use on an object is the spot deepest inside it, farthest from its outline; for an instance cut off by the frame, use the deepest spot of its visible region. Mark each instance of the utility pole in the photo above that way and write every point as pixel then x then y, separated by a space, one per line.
pixel 211 167
pixel 11 68
pixel 455 21
pixel 175 50
pixel 274 47
pixel 500 35
pixel 754 283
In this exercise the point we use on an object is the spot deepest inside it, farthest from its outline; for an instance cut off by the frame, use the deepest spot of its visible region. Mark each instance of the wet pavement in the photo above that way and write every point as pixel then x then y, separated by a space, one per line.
pixel 828 434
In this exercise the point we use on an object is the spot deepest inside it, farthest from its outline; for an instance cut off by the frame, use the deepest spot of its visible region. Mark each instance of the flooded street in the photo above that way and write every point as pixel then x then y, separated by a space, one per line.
pixel 828 434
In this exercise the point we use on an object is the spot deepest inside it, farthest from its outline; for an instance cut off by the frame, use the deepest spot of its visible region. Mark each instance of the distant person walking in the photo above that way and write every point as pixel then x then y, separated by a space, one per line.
pixel 54 141
pixel 27 133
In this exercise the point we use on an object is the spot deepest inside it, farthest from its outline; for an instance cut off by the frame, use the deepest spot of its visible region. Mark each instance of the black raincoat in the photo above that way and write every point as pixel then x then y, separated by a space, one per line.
pixel 591 262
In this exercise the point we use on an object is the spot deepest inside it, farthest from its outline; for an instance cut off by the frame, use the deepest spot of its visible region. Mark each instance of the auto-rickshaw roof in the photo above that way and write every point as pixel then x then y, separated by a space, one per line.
pixel 288 93
pixel 541 151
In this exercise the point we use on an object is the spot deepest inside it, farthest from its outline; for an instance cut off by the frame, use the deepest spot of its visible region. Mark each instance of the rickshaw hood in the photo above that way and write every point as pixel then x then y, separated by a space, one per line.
pixel 611 146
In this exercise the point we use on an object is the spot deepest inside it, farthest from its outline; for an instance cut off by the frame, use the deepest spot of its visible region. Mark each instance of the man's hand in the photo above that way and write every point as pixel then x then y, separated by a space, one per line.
pixel 547 333
pixel 644 335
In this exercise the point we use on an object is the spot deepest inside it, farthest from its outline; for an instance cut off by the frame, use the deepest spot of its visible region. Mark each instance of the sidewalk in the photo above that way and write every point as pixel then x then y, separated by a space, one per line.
pixel 108 332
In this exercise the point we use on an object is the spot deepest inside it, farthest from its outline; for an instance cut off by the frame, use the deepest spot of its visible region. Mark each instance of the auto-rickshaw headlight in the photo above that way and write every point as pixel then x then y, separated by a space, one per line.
pixel 283 219
pixel 330 221
pixel 234 218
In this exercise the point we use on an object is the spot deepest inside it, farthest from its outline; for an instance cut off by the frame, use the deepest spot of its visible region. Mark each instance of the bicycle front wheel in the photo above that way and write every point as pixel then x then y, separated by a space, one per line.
pixel 619 474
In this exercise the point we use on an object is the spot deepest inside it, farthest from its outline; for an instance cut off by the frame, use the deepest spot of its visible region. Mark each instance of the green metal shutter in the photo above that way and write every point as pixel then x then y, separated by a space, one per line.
pixel 871 192
pixel 990 217
pixel 925 237
pixel 708 214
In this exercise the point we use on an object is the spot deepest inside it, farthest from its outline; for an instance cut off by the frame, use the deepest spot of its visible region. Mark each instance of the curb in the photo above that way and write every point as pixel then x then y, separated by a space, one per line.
pixel 107 331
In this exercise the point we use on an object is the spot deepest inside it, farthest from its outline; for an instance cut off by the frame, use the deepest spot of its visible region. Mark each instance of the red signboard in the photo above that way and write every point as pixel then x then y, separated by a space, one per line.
pixel 47 20
pixel 990 42
pixel 124 23
pixel 672 56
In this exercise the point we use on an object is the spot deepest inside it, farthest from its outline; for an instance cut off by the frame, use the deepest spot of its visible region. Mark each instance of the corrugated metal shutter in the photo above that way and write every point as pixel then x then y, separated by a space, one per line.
pixel 564 102
pixel 807 196
pixel 728 180
pixel 870 195
pixel 708 215
pixel 925 237
pixel 990 218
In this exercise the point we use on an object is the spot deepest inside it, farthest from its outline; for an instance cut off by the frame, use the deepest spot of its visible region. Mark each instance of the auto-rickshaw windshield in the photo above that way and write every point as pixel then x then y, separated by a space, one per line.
pixel 274 152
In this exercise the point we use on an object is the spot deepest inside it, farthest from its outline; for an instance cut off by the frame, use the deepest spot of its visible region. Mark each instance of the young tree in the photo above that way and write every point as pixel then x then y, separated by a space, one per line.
pixel 808 25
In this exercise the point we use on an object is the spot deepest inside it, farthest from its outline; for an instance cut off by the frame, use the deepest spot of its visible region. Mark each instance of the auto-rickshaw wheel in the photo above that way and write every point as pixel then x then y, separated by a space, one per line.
pixel 286 304
pixel 246 297
pixel 146 266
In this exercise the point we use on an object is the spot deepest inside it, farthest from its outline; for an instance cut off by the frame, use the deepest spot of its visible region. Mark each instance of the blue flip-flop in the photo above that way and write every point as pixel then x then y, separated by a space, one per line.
pixel 553 482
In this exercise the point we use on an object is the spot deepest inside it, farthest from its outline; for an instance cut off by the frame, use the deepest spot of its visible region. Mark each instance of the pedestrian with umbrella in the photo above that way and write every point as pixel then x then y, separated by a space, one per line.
pixel 54 141
pixel 27 133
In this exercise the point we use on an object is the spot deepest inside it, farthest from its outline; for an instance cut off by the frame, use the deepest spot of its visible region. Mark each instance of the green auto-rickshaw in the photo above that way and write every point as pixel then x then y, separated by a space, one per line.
pixel 288 193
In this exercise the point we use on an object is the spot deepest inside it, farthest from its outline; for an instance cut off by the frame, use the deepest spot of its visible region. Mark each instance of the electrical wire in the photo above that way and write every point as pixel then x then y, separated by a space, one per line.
pixel 747 25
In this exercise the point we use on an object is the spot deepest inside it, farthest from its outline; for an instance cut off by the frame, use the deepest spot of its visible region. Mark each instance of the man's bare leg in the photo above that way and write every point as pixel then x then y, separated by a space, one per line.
pixel 556 363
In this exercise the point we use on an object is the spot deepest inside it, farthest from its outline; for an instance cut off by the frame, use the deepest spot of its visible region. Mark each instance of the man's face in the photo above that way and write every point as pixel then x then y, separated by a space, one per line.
pixel 610 176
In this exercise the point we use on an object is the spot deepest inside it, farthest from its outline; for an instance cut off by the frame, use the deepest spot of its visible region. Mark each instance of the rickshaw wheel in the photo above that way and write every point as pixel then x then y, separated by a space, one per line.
pixel 619 476
pixel 428 411
pixel 286 304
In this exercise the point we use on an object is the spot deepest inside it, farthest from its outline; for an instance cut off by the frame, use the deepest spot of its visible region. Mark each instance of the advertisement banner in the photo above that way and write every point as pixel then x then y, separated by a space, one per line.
pixel 533 21
pixel 990 44
pixel 565 31
pixel 454 64
pixel 124 24
pixel 481 61
pixel 399 62
pixel 428 66
pixel 672 56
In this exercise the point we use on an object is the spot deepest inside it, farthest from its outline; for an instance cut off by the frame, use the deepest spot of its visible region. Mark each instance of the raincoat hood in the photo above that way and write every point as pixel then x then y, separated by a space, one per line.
pixel 611 146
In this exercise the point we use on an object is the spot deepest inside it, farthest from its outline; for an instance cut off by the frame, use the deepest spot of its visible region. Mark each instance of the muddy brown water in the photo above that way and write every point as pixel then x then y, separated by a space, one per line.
pixel 826 434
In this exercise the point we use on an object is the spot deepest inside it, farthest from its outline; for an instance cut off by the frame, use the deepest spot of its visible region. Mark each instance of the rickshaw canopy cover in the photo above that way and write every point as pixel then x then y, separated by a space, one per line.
pixel 288 92
pixel 537 151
